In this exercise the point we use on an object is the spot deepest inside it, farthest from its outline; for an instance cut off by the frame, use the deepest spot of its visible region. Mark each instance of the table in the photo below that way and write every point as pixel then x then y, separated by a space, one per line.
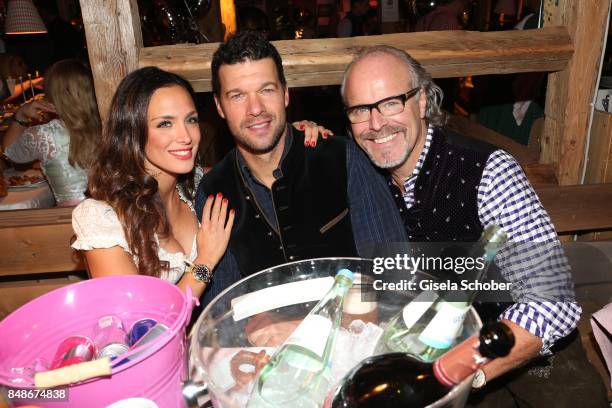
pixel 39 196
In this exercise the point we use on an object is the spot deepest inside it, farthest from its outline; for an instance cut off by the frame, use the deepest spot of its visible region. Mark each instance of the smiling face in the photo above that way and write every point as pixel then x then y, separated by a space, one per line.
pixel 252 100
pixel 389 141
pixel 173 132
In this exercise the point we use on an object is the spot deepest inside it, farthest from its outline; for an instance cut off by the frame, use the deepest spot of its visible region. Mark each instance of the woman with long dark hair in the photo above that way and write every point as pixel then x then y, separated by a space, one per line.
pixel 139 218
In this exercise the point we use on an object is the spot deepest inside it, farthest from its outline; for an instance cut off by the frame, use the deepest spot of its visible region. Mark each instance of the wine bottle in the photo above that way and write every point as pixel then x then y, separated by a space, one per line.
pixel 299 373
pixel 429 325
pixel 400 380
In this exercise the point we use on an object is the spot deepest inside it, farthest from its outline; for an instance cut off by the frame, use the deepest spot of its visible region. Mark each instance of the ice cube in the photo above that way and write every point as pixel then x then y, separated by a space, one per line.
pixel 365 343
pixel 342 360
pixel 356 326
pixel 352 346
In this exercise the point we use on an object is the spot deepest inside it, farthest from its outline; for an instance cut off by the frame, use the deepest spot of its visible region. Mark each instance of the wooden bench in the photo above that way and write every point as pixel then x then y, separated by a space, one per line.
pixel 35 255
pixel 38 242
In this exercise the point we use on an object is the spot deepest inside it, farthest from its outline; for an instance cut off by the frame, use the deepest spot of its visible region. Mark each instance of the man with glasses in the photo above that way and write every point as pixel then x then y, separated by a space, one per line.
pixel 291 202
pixel 448 188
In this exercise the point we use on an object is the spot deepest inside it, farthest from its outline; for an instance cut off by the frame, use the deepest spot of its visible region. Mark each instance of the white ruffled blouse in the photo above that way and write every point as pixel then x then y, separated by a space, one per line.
pixel 50 143
pixel 96 226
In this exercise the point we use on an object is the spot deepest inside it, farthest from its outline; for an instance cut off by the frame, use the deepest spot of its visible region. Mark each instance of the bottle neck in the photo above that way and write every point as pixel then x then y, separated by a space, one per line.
pixel 335 295
pixel 484 251
pixel 459 362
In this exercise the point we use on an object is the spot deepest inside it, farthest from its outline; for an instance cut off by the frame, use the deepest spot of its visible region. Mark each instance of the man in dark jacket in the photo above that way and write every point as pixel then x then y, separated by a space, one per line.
pixel 291 202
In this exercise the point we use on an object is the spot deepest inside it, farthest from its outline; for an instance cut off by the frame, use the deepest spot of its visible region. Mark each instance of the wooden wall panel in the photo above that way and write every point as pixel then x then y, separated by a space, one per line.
pixel 599 164
pixel 599 161
pixel 38 249
pixel 16 293
pixel 37 241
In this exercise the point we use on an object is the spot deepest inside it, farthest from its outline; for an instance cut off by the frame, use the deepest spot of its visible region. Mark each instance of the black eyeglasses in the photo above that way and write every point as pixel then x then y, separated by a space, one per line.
pixel 390 106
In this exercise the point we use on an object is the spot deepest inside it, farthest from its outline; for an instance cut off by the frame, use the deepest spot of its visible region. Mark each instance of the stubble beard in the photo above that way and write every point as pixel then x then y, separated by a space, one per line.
pixel 385 162
pixel 252 148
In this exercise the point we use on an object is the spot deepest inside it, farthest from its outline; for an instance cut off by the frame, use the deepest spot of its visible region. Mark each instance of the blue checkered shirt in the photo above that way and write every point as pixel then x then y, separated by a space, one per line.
pixel 506 199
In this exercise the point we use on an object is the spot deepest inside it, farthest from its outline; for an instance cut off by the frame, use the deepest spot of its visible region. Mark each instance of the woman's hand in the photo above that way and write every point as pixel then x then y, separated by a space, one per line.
pixel 33 111
pixel 30 113
pixel 311 132
pixel 214 233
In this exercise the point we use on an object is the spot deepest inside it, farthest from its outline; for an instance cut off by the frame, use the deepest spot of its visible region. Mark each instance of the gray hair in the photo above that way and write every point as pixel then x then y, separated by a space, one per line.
pixel 420 78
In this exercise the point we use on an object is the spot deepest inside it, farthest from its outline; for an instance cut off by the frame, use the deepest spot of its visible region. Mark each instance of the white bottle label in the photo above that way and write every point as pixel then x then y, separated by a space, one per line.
pixel 417 307
pixel 312 334
pixel 442 330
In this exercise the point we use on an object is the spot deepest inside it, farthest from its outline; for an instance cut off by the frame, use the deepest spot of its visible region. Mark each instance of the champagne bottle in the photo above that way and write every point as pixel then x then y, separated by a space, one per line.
pixel 400 380
pixel 299 373
pixel 429 325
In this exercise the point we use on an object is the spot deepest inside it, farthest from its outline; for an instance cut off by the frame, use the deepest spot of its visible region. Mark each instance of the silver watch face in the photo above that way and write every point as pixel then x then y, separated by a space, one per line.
pixel 479 379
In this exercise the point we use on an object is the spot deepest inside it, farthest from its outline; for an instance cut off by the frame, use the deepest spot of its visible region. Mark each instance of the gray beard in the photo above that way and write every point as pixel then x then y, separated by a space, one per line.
pixel 387 164
pixel 384 132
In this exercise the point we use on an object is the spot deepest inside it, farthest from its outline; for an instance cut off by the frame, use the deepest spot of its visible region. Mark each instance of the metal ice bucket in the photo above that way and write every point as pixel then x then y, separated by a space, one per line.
pixel 225 326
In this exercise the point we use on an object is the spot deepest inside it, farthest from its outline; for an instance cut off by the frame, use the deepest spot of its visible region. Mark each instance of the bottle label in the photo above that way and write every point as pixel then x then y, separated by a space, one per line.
pixel 441 332
pixel 459 362
pixel 417 307
pixel 312 334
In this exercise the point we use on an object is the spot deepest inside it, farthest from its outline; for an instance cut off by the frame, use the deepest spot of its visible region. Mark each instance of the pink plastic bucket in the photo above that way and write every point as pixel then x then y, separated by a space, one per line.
pixel 36 329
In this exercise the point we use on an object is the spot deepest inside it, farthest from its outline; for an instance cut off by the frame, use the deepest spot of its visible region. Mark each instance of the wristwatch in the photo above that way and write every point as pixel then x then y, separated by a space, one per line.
pixel 480 380
pixel 200 272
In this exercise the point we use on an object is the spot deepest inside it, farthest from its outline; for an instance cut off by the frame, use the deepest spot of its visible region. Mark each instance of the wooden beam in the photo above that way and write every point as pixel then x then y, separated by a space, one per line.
pixel 578 208
pixel 443 53
pixel 541 175
pixel 114 38
pixel 570 92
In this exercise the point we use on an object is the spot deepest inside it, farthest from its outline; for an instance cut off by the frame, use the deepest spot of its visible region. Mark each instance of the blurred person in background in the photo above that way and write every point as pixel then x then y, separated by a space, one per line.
pixel 352 24
pixel 11 68
pixel 512 103
pixel 65 145
pixel 448 15
pixel 371 24
pixel 12 65
pixel 254 19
